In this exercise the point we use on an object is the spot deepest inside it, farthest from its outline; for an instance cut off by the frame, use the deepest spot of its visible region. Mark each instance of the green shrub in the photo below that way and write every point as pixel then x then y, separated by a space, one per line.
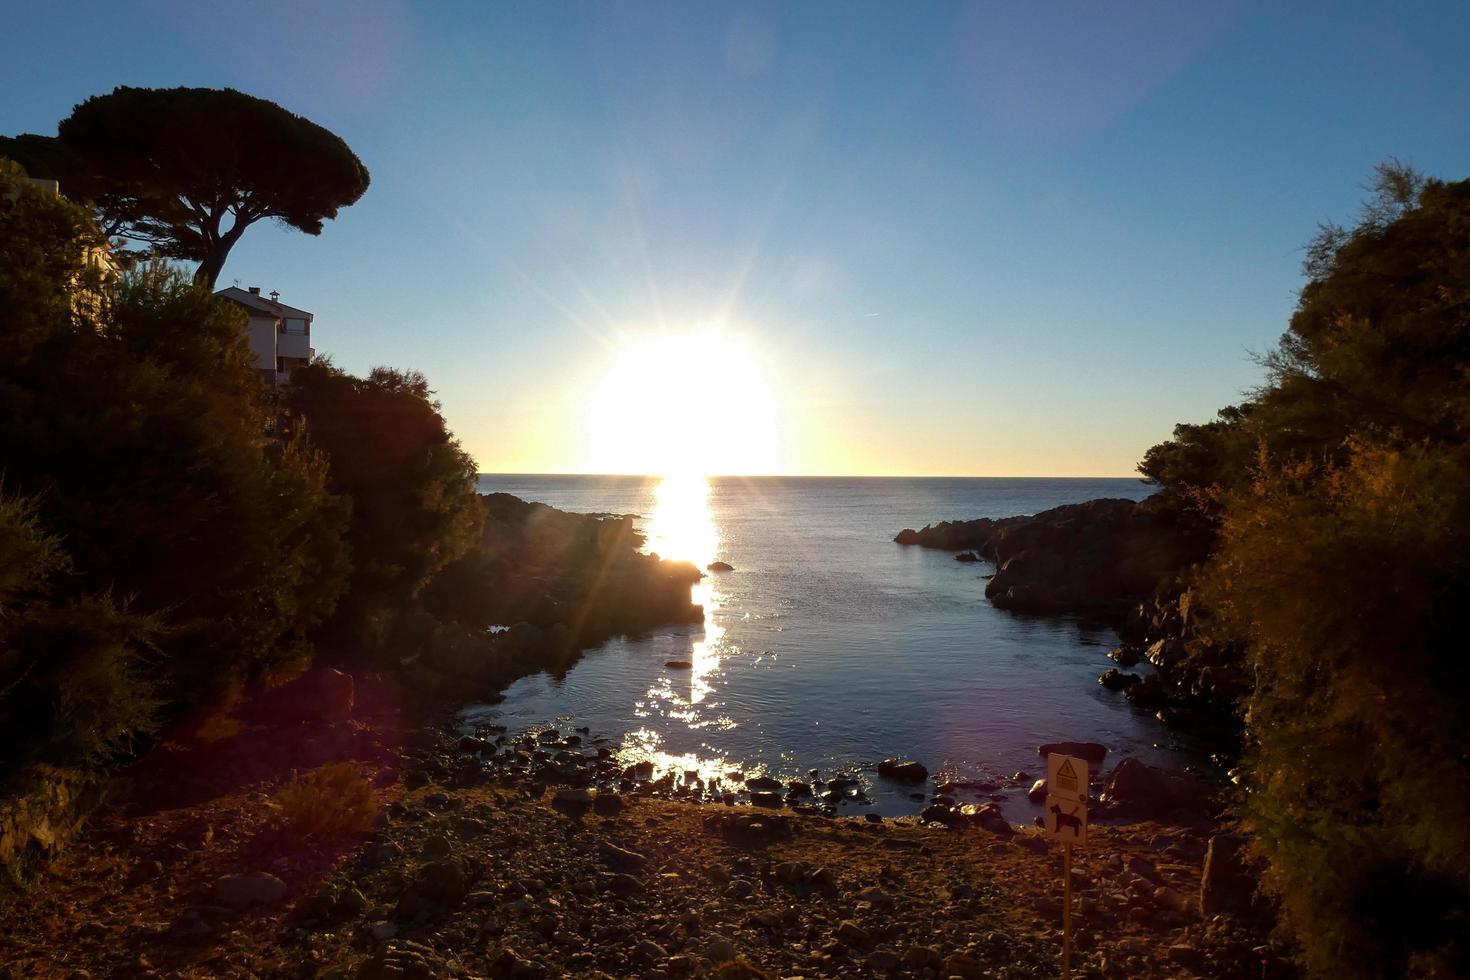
pixel 1343 569
pixel 73 687
pixel 334 800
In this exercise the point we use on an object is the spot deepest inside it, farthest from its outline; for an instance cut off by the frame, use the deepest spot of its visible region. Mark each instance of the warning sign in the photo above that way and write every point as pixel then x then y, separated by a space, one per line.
pixel 1066 820
pixel 1066 777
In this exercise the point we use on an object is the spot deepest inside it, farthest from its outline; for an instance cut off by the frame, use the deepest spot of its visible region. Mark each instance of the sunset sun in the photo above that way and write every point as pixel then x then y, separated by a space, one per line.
pixel 693 403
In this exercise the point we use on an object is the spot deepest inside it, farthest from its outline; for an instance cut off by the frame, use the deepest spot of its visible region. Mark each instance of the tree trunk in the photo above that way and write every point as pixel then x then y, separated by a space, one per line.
pixel 213 263
pixel 210 268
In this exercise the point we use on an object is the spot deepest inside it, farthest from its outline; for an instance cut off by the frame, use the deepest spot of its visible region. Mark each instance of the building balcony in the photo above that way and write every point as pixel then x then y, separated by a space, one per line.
pixel 293 345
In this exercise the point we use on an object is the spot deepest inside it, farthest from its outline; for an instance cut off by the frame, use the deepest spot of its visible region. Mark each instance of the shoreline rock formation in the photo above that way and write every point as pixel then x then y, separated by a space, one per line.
pixel 1097 559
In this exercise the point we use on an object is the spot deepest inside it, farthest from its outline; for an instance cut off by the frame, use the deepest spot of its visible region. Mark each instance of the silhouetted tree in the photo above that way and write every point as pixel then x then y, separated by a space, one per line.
pixel 142 436
pixel 414 507
pixel 187 170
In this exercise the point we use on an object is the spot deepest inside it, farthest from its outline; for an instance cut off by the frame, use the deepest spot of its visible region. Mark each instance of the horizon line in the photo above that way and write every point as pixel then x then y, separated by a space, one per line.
pixel 828 476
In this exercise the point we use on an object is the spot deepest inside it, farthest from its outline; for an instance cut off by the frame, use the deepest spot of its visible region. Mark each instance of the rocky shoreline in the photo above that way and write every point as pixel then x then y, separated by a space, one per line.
pixel 541 853
pixel 536 855
pixel 1127 564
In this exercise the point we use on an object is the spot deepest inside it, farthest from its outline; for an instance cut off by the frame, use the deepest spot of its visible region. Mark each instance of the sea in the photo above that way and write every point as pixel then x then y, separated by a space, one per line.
pixel 828 648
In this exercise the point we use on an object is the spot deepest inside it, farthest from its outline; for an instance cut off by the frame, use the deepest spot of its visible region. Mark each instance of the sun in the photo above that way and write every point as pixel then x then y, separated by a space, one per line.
pixel 685 404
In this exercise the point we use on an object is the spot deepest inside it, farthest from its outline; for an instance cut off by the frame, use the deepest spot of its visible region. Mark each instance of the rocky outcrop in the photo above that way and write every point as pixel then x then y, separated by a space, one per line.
pixel 559 583
pixel 1098 558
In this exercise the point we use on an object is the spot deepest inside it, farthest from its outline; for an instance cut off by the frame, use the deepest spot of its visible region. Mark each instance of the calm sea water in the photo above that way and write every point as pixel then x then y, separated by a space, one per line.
pixel 829 647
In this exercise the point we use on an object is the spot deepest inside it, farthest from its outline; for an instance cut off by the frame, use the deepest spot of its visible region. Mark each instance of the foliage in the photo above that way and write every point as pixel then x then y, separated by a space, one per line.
pixel 170 167
pixel 414 507
pixel 1202 459
pixel 334 800
pixel 42 264
pixel 1341 565
pixel 71 679
pixel 146 438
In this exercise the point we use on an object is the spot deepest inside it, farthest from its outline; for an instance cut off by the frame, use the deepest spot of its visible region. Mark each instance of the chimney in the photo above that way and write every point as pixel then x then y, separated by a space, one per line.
pixel 254 290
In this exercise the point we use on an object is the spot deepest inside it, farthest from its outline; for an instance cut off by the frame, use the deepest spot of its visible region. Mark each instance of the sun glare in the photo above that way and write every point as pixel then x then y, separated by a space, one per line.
pixel 684 405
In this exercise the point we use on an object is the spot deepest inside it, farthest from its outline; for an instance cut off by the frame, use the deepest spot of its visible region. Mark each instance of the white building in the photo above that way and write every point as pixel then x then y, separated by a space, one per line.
pixel 280 335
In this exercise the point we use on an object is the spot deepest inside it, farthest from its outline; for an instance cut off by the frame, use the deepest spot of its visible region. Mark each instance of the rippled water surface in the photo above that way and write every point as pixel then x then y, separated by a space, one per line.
pixel 830 647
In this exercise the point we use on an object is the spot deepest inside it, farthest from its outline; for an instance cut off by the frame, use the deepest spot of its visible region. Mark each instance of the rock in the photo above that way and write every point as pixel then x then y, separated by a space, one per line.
pixel 919 957
pixel 967 557
pixel 766 799
pixel 471 745
pixel 1170 898
pixel 883 960
pixel 1115 680
pixel 940 813
pixel 763 783
pixel 1226 887
pixel 720 566
pixel 626 884
pixel 720 950
pixel 1037 792
pixel 650 950
pixel 442 882
pixel 619 858
pixel 962 965
pixel 853 935
pixel 1124 656
pixel 252 888
pixel 903 770
pixel 679 664
pixel 1134 789
pixel 1149 693
pixel 572 798
pixel 334 693
pixel 608 803
pixel 435 848
pixel 1090 752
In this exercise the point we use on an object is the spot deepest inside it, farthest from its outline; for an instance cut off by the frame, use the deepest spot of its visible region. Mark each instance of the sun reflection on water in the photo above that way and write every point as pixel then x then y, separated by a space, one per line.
pixel 682 528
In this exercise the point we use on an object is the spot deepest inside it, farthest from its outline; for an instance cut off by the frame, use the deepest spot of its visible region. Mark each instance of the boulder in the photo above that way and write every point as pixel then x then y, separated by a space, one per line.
pixel 1125 656
pixel 967 557
pixel 1090 752
pixel 334 693
pixel 252 888
pixel 766 799
pixel 1037 792
pixel 1115 680
pixel 720 566
pixel 764 783
pixel 1141 791
pixel 608 804
pixel 903 770
pixel 679 664
pixel 571 798
pixel 443 882
pixel 1227 886
pixel 1149 693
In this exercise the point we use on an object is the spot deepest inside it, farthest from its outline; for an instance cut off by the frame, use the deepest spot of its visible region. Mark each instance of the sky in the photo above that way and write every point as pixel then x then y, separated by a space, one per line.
pixel 986 238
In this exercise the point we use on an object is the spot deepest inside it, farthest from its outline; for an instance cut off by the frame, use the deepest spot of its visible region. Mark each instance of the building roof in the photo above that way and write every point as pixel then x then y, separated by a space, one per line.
pixel 262 304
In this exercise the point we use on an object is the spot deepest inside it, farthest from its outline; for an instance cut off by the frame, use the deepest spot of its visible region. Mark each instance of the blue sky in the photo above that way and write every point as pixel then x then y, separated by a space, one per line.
pixel 980 238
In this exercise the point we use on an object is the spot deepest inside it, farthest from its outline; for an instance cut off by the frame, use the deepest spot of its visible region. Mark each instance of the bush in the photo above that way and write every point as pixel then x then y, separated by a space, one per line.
pixel 412 488
pixel 334 800
pixel 201 544
pixel 73 689
pixel 1342 570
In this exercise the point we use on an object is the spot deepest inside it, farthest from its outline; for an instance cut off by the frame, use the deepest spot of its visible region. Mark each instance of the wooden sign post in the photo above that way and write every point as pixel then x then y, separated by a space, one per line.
pixel 1066 820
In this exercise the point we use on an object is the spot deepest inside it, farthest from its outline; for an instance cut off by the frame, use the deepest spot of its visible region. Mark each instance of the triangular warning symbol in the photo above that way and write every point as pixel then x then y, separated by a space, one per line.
pixel 1066 772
